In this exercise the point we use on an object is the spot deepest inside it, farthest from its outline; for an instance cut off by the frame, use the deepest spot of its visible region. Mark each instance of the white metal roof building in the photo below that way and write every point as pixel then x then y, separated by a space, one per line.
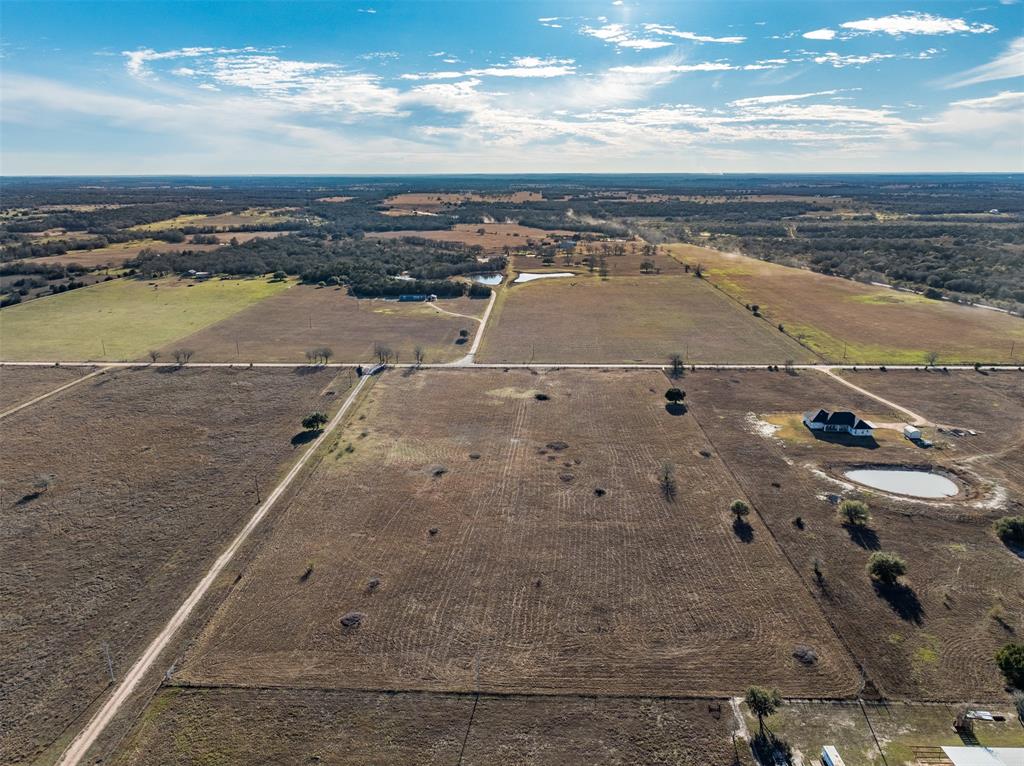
pixel 985 756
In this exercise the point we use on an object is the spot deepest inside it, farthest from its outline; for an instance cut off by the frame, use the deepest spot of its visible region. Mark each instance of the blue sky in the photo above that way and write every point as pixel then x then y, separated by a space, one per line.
pixel 478 87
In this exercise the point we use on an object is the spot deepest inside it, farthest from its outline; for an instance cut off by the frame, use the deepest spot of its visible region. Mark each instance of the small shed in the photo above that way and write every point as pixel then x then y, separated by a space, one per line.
pixel 830 756
pixel 912 432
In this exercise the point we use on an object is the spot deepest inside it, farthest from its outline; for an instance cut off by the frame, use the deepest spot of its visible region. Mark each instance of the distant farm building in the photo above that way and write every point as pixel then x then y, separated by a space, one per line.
pixel 912 432
pixel 409 297
pixel 567 244
pixel 842 421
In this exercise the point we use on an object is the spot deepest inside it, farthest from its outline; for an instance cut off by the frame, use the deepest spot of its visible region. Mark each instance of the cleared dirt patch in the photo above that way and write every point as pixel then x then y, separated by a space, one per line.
pixel 21 384
pixel 493 237
pixel 283 327
pixel 932 638
pixel 510 572
pixel 112 506
pixel 847 321
pixel 628 319
pixel 308 725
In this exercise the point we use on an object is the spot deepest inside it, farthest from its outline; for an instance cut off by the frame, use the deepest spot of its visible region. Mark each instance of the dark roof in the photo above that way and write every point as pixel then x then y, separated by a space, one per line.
pixel 821 416
pixel 840 418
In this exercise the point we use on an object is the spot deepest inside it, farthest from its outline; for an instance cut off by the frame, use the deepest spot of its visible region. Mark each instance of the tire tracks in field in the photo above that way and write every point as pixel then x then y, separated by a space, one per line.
pixel 88 736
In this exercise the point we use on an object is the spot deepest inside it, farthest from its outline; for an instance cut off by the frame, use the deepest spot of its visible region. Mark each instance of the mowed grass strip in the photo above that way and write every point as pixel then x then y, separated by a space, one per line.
pixel 121 320
pixel 847 321
pixel 586 318
pixel 299 726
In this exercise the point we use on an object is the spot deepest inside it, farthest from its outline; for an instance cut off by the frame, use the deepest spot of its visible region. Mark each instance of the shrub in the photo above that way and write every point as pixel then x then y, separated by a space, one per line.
pixel 854 512
pixel 739 508
pixel 314 421
pixel 1011 530
pixel 887 568
pixel 1010 660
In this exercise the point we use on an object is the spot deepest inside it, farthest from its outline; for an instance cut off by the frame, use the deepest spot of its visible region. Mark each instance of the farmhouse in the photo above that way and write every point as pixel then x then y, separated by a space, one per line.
pixel 840 421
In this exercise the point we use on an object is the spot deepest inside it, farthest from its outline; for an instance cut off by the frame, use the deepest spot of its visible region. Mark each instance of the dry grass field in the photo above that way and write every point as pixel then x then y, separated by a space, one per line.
pixel 847 321
pixel 627 265
pixel 283 327
pixel 223 221
pixel 196 726
pixel 132 512
pixel 628 319
pixel 556 561
pixel 22 384
pixel 964 597
pixel 493 237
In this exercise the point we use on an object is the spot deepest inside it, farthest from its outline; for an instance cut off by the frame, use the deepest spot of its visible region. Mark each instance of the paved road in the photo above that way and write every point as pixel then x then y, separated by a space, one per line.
pixel 88 736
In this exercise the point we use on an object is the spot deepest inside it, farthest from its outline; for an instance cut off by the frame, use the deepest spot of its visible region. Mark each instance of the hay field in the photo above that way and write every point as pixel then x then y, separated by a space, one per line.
pixel 847 321
pixel 493 237
pixel 534 580
pixel 151 473
pixel 122 319
pixel 199 725
pixel 222 221
pixel 628 319
pixel 931 640
pixel 283 327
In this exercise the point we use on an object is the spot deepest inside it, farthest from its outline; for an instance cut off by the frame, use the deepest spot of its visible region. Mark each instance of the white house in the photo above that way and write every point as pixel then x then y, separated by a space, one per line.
pixel 837 422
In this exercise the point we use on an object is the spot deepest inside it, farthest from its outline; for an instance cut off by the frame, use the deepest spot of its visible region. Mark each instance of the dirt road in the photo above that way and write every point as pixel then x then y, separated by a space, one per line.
pixel 88 736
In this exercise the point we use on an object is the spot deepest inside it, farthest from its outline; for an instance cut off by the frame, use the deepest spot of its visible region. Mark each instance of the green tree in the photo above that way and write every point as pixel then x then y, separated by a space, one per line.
pixel 1010 660
pixel 1011 530
pixel 887 568
pixel 314 421
pixel 762 703
pixel 854 512
pixel 739 509
pixel 675 395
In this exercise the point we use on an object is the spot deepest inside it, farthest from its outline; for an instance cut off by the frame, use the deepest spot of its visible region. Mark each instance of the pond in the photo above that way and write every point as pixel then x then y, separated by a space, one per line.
pixel 527 277
pixel 487 279
pixel 904 481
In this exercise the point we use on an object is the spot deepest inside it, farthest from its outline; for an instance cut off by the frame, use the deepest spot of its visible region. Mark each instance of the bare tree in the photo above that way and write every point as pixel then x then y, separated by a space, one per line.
pixel 154 356
pixel 676 360
pixel 182 356
pixel 418 354
pixel 930 359
pixel 326 353
pixel 383 353
pixel 667 481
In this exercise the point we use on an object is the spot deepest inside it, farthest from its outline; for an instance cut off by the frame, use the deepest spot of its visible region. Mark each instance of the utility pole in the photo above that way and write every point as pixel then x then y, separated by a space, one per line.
pixel 256 482
pixel 110 662
pixel 236 347
pixel 104 345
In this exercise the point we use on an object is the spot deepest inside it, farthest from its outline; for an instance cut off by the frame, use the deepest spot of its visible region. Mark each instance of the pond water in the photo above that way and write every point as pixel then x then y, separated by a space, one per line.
pixel 488 279
pixel 527 277
pixel 902 481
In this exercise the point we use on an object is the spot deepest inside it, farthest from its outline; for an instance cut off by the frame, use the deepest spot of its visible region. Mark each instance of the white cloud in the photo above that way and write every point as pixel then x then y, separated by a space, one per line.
pixel 707 66
pixel 520 67
pixel 1003 100
pixel 916 24
pixel 1008 64
pixel 619 35
pixel 838 61
pixel 820 34
pixel 780 99
pixel 670 31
